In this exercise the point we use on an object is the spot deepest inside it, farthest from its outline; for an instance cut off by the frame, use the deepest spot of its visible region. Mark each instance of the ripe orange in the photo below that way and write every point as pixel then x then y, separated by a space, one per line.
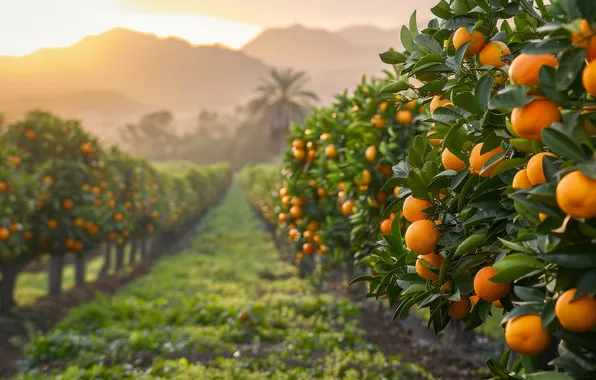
pixel 296 212
pixel 323 249
pixel 47 180
pixel 30 134
pixel 311 155
pixel 498 304
pixel 413 207
pixel 67 204
pixel 293 233
pixel 451 161
pixel 363 179
pixel 308 248
pixel 487 289
pixel 313 226
pixel 386 226
pixel 118 217
pixel 325 136
pixel 14 227
pixel 525 68
pixel 16 160
pixel 525 334
pixel 282 217
pixel 96 191
pixel 528 121
pixel 299 154
pixel 492 52
pixel 474 299
pixel 521 180
pixel 298 144
pixel 576 196
pixel 381 196
pixel 331 151
pixel 4 234
pixel 460 309
pixel 371 153
pixel 87 147
pixel 283 192
pixel 378 121
pixel 385 170
pixel 589 78
pixel 461 36
pixel 446 287
pixel 28 235
pixel 299 256
pixel 78 246
pixel 52 224
pixel 477 160
pixel 348 207
pixel 535 171
pixel 308 235
pixel 422 236
pixel 396 191
pixel 404 117
pixel 435 260
pixel 586 39
pixel 578 315
pixel 298 201
pixel 433 142
pixel 3 187
pixel 438 102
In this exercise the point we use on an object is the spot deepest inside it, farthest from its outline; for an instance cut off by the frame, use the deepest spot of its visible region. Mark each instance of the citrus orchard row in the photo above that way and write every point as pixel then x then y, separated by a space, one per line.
pixel 62 193
pixel 495 207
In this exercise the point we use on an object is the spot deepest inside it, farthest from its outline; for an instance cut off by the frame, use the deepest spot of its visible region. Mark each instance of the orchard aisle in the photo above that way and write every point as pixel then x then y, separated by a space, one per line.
pixel 226 307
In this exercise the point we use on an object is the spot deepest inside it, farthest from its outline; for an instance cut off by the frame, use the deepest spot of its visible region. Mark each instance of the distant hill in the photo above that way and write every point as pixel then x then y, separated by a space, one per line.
pixel 369 35
pixel 159 72
pixel 312 50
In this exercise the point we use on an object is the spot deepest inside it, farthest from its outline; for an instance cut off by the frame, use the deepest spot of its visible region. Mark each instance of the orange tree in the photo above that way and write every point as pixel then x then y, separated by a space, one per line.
pixel 332 199
pixel 64 157
pixel 502 213
pixel 19 192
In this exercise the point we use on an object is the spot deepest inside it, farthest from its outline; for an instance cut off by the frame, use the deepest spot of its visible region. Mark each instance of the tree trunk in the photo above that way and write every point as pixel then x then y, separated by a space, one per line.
pixel 144 241
pixel 119 257
pixel 133 252
pixel 107 260
pixel 55 275
pixel 10 273
pixel 79 266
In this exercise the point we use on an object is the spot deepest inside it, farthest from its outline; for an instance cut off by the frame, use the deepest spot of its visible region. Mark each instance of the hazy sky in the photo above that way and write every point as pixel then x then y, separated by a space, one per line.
pixel 27 25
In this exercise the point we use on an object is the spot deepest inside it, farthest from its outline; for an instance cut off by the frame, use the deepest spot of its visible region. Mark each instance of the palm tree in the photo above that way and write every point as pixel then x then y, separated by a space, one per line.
pixel 282 100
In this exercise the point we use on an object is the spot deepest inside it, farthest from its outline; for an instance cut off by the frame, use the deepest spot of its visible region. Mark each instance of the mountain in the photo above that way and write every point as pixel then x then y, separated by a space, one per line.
pixel 369 35
pixel 312 50
pixel 159 72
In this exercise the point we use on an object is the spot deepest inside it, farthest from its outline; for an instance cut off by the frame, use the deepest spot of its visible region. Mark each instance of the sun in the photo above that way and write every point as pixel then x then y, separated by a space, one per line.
pixel 28 25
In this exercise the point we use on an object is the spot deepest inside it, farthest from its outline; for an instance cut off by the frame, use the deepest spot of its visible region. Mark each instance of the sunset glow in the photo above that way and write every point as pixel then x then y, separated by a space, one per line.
pixel 28 25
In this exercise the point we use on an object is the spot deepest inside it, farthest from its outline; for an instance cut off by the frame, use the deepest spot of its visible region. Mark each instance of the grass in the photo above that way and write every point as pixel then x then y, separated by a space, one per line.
pixel 225 308
pixel 32 285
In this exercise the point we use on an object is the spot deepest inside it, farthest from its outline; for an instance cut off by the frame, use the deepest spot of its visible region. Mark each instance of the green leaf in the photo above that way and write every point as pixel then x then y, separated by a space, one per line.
pixel 479 314
pixel 427 42
pixel 417 186
pixel 528 294
pixel 460 54
pixel 406 39
pixel 515 266
pixel 509 164
pixel 442 10
pixel 469 102
pixel 517 247
pixel 363 278
pixel 413 24
pixel 483 91
pixel 548 376
pixel 509 98
pixel 587 284
pixel 574 256
pixel 562 145
pixel 393 87
pixel 570 65
pixel 548 84
pixel 392 57
pixel 519 311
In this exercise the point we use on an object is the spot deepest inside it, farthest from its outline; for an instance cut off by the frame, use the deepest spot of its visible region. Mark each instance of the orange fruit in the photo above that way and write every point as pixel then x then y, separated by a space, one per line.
pixel 118 217
pixel 589 78
pixel 313 226
pixel 460 309
pixel 282 217
pixel 386 226
pixel 525 334
pixel 78 246
pixel 308 248
pixel 576 196
pixel 348 207
pixel 96 191
pixel 16 160
pixel 487 289
pixel 535 171
pixel 363 179
pixel 52 224
pixel 298 144
pixel 385 170
pixel 433 142
pixel 396 191
pixel 381 196
pixel 378 121
pixel 293 233
pixel 308 235
pixel 14 227
pixel 283 192
pixel 298 201
pixel 296 212
pixel 477 160
pixel 87 147
pixel 451 161
pixel 47 180
pixel 474 299
pixel 438 102
pixel 492 52
pixel 542 216
pixel 413 207
pixel 498 304
pixel 525 68
pixel 325 136
pixel 404 117
pixel 435 260
pixel 586 39
pixel 28 235
pixel 67 204
pixel 528 121
pixel 421 237
pixel 323 249
pixel 521 180
pixel 461 36
pixel 30 134
pixel 331 151
pixel 446 287
pixel 299 256
pixel 311 155
pixel 299 154
pixel 4 234
pixel 578 315
pixel 371 153
pixel 3 187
